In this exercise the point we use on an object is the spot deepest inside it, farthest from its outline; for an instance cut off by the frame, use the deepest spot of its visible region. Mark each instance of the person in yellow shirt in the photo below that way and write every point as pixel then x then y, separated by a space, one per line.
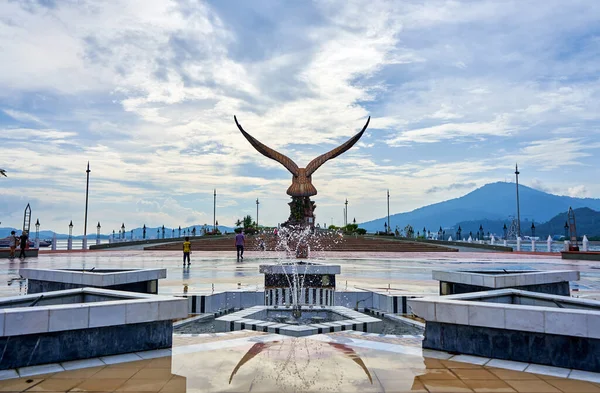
pixel 187 248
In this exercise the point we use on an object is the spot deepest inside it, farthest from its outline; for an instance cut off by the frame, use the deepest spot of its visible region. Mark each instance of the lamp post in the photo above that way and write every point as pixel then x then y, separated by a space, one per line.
pixel 346 212
pixel 480 234
pixel 193 231
pixel 458 233
pixel 87 189
pixel 505 232
pixel 172 233
pixel 144 232
pixel 37 233
pixel 440 234
pixel 70 240
pixel 257 203
pixel 157 233
pixel 123 230
pixel 98 233
pixel 179 233
pixel 566 230
pixel 518 209
pixel 163 231
pixel 386 227
pixel 388 210
pixel 113 236
pixel 532 229
pixel 132 235
pixel 215 211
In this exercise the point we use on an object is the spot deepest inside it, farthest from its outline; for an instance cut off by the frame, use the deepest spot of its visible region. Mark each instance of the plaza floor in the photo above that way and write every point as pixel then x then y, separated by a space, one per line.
pixel 248 361
pixel 394 272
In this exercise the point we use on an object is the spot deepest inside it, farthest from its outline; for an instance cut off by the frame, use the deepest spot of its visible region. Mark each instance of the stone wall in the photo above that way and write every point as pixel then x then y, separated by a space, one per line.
pixel 61 346
pixel 579 353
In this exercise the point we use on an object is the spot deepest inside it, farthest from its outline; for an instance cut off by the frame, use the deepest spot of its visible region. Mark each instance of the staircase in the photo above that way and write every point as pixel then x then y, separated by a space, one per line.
pixel 348 244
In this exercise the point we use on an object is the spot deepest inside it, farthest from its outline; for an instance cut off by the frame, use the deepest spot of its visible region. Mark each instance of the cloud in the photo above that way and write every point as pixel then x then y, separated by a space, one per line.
pixel 453 186
pixel 146 91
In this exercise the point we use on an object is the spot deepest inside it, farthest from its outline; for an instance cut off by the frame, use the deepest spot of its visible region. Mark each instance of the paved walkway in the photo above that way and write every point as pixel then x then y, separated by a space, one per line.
pixel 400 272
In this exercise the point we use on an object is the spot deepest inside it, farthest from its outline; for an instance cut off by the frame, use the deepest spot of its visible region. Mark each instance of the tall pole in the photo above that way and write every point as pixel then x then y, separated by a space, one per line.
pixel 87 189
pixel 518 211
pixel 257 203
pixel 388 206
pixel 346 213
pixel 215 211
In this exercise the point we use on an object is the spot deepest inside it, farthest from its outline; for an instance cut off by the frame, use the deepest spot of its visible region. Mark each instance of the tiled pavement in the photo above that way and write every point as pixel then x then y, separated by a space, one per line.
pixel 250 361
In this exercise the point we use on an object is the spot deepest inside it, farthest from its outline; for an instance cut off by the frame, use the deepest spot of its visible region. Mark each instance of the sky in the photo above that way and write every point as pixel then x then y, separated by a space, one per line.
pixel 146 91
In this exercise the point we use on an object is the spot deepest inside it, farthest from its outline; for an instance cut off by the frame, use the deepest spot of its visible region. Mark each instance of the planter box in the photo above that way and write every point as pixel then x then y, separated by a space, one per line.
pixel 84 323
pixel 514 325
pixel 131 280
pixel 555 282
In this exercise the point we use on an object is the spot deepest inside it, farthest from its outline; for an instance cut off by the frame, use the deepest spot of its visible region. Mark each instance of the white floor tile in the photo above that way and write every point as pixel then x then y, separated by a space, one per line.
pixel 127 357
pixel 83 363
pixel 507 364
pixel 429 353
pixel 470 359
pixel 548 370
pixel 159 353
pixel 8 374
pixel 585 376
pixel 42 369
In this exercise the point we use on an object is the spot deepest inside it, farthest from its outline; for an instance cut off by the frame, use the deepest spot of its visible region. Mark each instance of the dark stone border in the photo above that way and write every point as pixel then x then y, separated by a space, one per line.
pixel 54 347
pixel 579 353
pixel 556 288
pixel 39 286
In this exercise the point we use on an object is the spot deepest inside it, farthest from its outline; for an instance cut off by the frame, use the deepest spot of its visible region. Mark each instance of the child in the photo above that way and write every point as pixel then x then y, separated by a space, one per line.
pixel 187 246
pixel 12 243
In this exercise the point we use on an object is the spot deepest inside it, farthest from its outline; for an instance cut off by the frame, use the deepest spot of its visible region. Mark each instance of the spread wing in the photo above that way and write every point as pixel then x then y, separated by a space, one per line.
pixel 268 152
pixel 317 162
pixel 3 172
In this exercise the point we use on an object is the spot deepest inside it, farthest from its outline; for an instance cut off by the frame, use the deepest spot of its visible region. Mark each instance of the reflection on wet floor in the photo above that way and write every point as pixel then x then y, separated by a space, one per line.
pixel 406 272
pixel 255 362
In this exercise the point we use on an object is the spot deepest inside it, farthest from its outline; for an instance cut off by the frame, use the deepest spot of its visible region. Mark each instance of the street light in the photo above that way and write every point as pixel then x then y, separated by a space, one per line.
pixel 71 229
pixel 386 227
pixel 37 229
pixel 123 230
pixel 532 229
pixel 566 230
pixel 157 233
pixel 163 231
pixel 172 233
pixel 179 231
pixel 257 203
pixel 480 235
pixel 144 232
pixel 132 234
pixel 440 233
pixel 505 231
pixel 458 233
pixel 98 231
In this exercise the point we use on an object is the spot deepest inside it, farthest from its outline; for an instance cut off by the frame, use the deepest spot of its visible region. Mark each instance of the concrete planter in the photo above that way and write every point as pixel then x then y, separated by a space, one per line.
pixel 131 280
pixel 555 282
pixel 515 325
pixel 83 323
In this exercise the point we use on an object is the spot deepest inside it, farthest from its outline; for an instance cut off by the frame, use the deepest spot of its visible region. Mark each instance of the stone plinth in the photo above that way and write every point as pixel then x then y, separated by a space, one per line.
pixel 303 283
pixel 514 325
pixel 253 319
pixel 554 282
pixel 83 323
pixel 131 280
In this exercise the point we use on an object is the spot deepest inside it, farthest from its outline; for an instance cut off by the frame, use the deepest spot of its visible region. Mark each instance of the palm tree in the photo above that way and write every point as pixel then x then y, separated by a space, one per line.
pixel 3 172
pixel 238 223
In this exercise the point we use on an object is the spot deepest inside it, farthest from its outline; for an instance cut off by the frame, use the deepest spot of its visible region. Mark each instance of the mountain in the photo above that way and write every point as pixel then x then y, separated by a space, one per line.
pixel 495 201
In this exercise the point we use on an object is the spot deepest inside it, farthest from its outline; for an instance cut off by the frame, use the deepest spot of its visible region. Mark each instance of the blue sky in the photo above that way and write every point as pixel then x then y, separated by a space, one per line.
pixel 146 91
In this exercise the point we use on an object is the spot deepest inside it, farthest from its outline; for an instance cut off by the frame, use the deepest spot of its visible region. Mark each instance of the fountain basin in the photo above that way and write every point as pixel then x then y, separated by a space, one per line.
pixel 131 280
pixel 265 319
pixel 555 282
pixel 82 323
pixel 510 324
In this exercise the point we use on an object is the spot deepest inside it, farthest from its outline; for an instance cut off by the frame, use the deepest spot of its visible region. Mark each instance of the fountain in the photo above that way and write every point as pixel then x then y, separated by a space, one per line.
pixel 300 294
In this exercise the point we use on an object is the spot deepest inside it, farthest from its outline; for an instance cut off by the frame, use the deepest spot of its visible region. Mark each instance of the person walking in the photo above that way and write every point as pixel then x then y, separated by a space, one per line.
pixel 13 241
pixel 240 241
pixel 187 249
pixel 23 240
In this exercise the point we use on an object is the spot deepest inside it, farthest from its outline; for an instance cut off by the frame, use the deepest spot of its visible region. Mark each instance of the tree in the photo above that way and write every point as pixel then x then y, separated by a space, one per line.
pixel 238 223
pixel 409 231
pixel 247 221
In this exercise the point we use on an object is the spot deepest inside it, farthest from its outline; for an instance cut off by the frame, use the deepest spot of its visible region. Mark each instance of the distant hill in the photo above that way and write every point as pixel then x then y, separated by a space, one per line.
pixel 495 201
